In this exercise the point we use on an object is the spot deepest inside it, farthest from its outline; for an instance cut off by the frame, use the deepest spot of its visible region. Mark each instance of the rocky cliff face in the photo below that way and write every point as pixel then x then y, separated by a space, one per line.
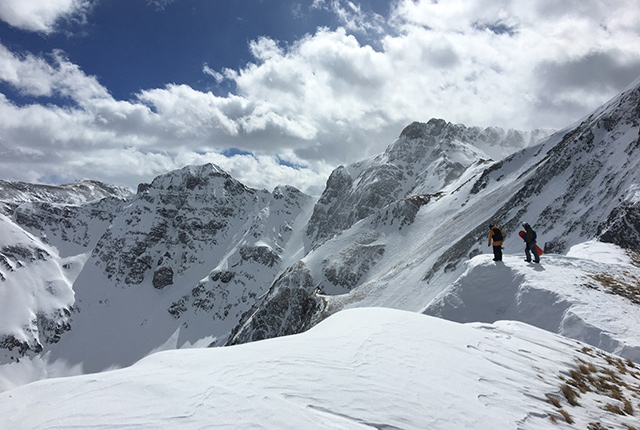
pixel 187 256
pixel 71 217
pixel 171 222
pixel 192 217
pixel 286 309
pixel 35 311
pixel 252 263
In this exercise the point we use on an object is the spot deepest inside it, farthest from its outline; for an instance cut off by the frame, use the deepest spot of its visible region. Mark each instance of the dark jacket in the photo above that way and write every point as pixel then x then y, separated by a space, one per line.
pixel 530 236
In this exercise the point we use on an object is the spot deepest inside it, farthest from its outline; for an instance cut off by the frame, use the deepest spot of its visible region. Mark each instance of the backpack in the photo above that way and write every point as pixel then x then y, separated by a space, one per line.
pixel 497 234
pixel 531 235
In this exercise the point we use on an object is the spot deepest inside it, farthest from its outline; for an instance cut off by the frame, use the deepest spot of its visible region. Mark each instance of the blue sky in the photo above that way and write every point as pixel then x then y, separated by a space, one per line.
pixel 282 92
pixel 135 45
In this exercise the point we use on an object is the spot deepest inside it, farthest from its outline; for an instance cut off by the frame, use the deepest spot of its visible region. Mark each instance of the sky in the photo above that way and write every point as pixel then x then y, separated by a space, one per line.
pixel 282 92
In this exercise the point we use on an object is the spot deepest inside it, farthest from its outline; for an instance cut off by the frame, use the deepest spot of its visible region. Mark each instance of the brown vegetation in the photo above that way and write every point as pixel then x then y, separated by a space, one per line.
pixel 609 380
pixel 629 288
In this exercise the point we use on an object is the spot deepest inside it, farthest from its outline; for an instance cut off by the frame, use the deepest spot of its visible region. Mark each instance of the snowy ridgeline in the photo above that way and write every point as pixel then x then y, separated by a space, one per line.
pixel 391 369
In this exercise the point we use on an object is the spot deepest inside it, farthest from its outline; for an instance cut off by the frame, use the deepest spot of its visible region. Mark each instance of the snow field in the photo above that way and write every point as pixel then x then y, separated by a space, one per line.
pixel 361 368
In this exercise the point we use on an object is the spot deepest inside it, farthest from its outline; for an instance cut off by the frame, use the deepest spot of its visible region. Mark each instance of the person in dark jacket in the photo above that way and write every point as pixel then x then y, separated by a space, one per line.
pixel 530 244
pixel 498 237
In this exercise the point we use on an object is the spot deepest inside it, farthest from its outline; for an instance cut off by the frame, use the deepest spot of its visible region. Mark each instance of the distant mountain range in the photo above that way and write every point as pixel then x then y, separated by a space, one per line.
pixel 96 277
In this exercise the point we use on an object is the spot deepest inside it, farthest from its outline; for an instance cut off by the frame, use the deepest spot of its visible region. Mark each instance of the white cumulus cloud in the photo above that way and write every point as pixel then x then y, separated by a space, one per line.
pixel 40 15
pixel 330 97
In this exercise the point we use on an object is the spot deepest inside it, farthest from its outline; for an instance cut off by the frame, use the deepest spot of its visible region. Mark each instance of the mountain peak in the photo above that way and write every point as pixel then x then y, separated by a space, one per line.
pixel 494 142
pixel 416 129
pixel 192 177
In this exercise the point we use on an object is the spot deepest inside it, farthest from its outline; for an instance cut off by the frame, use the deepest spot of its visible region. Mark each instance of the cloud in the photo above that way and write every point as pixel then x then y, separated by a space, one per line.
pixel 351 16
pixel 597 70
pixel 159 4
pixel 219 77
pixel 536 64
pixel 128 142
pixel 56 76
pixel 41 15
pixel 328 98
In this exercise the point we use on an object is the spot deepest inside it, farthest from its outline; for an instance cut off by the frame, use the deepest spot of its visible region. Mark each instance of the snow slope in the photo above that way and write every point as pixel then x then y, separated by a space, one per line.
pixel 390 370
pixel 37 290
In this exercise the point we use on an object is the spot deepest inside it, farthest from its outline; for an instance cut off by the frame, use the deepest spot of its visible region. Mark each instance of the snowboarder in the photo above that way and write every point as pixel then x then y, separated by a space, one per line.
pixel 498 236
pixel 530 244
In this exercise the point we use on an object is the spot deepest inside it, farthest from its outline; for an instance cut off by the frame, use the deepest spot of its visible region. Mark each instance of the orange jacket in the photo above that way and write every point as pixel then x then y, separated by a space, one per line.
pixel 496 242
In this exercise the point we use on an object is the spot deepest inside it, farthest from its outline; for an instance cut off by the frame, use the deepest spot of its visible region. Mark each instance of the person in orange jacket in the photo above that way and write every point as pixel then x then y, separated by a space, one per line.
pixel 497 235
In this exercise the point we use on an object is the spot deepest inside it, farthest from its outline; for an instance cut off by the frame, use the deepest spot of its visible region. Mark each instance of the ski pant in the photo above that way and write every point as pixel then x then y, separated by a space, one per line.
pixel 531 247
pixel 497 253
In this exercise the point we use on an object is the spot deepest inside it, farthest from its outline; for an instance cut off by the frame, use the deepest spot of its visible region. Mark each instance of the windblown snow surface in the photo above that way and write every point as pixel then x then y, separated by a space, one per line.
pixel 377 368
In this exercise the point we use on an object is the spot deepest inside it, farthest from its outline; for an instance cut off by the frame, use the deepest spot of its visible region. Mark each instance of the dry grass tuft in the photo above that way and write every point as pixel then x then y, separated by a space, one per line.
pixel 635 257
pixel 629 288
pixel 616 393
pixel 618 363
pixel 608 381
pixel 566 416
pixel 587 367
pixel 570 394
pixel 554 401
pixel 581 380
pixel 613 409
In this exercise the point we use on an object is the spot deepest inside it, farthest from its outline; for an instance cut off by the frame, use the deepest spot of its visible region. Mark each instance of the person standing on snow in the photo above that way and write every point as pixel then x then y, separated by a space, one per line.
pixel 530 244
pixel 498 236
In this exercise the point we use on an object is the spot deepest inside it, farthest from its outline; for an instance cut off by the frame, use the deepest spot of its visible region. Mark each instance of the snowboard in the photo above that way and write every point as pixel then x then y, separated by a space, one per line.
pixel 522 235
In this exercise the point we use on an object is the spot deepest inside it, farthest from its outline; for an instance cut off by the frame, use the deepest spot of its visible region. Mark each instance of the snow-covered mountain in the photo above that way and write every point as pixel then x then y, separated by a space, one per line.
pixel 575 185
pixel 94 277
pixel 425 159
pixel 177 263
